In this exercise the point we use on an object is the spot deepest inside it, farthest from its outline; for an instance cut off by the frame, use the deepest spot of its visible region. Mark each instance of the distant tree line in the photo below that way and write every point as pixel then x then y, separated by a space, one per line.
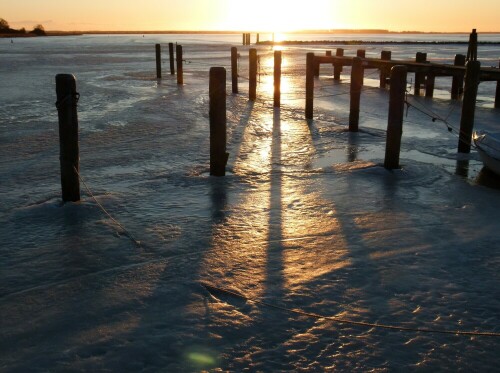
pixel 38 30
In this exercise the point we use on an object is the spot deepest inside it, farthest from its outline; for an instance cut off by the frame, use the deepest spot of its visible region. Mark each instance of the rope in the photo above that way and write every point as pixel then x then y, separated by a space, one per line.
pixel 211 288
pixel 125 231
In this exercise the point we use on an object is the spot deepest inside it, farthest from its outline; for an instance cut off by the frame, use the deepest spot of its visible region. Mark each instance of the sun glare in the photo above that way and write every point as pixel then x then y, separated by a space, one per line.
pixel 279 15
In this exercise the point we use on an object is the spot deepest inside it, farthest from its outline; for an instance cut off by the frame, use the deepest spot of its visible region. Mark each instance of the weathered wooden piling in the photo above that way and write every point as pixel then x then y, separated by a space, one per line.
pixel 384 73
pixel 309 85
pixel 277 78
pixel 171 58
pixel 472 49
pixel 158 61
pixel 244 41
pixel 430 82
pixel 217 97
pixel 395 119
pixel 419 77
pixel 234 69
pixel 357 72
pixel 180 70
pixel 69 152
pixel 472 72
pixel 252 89
pixel 337 68
pixel 497 93
pixel 457 84
pixel 257 41
pixel 361 53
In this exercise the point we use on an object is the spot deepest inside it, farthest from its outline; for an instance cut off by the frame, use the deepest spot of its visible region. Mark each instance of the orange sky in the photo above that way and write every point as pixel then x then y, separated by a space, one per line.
pixel 255 15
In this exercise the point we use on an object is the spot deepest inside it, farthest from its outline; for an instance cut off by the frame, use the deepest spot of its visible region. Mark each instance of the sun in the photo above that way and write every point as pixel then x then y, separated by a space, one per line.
pixel 279 15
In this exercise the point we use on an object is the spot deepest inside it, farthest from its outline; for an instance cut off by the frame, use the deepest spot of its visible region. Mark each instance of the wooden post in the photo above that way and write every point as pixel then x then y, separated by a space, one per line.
pixel 171 57
pixel 277 78
pixel 217 96
pixel 244 39
pixel 472 49
pixel 158 61
pixel 457 84
pixel 386 56
pixel 361 53
pixel 309 85
pixel 258 39
pixel 252 90
pixel 419 77
pixel 234 69
pixel 69 153
pixel 429 85
pixel 497 94
pixel 356 85
pixel 472 73
pixel 396 113
pixel 337 68
pixel 180 71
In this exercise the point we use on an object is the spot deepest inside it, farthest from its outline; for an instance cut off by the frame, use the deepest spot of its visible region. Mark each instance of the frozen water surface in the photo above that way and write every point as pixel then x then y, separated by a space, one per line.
pixel 305 220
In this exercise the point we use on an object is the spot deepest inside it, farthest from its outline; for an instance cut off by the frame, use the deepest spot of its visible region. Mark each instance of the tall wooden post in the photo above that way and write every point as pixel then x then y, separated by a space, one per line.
pixel 244 42
pixel 171 57
pixel 396 113
pixel 252 89
pixel 69 152
pixel 257 39
pixel 457 84
pixel 234 69
pixel 180 71
pixel 309 85
pixel 386 56
pixel 277 78
pixel 217 96
pixel 361 53
pixel 158 61
pixel 357 72
pixel 472 73
pixel 419 77
pixel 429 85
pixel 497 93
pixel 337 68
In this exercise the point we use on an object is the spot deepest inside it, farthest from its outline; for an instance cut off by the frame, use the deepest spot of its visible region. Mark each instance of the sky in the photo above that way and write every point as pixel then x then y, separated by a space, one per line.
pixel 254 15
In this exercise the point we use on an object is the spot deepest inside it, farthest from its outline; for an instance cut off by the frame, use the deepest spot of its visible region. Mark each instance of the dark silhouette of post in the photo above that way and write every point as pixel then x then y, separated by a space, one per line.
pixel 277 78
pixel 217 96
pixel 419 77
pixel 472 73
pixel 69 152
pixel 384 72
pixel 171 57
pixel 252 90
pixel 356 86
pixel 158 61
pixel 180 71
pixel 497 93
pixel 244 41
pixel 309 86
pixel 457 84
pixel 361 53
pixel 234 69
pixel 257 39
pixel 472 49
pixel 395 119
pixel 430 82
pixel 337 67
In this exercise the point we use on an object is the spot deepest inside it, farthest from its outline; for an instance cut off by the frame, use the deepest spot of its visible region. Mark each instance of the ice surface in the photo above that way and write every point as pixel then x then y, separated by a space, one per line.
pixel 306 219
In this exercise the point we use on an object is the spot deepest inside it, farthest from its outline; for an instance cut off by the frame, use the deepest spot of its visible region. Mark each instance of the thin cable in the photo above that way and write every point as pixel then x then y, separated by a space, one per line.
pixel 212 288
pixel 125 231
